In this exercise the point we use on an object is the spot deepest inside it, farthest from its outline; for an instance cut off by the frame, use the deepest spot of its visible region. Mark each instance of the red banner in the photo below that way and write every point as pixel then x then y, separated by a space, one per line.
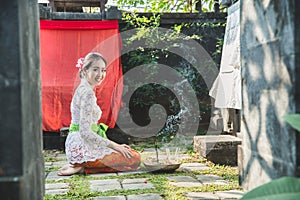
pixel 62 43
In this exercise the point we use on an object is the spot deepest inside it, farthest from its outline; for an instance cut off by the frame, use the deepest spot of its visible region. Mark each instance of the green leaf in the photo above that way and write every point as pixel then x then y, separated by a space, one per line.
pixel 293 120
pixel 287 188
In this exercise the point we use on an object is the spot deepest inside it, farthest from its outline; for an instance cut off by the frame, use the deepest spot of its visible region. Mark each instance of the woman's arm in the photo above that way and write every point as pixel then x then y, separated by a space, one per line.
pixel 85 124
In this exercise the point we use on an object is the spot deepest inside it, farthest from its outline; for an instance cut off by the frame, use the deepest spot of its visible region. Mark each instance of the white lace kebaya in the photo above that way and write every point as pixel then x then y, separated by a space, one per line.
pixel 85 145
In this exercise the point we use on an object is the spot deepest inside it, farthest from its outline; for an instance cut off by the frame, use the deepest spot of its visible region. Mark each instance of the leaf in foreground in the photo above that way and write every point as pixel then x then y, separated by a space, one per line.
pixel 293 120
pixel 287 188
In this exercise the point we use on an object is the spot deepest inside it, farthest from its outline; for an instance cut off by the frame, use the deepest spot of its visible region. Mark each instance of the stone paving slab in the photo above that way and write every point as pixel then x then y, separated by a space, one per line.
pixel 58 191
pixel 53 186
pixel 61 155
pixel 202 195
pixel 131 172
pixel 184 181
pixel 135 180
pixel 136 183
pixel 56 188
pixel 230 194
pixel 186 184
pixel 100 175
pixel 54 176
pixel 48 164
pixel 144 197
pixel 137 186
pixel 60 163
pixel 190 167
pixel 211 179
pixel 110 198
pixel 105 185
pixel 220 195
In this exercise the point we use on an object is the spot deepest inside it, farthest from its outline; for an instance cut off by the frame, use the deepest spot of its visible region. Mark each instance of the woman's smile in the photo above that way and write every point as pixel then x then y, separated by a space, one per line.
pixel 96 73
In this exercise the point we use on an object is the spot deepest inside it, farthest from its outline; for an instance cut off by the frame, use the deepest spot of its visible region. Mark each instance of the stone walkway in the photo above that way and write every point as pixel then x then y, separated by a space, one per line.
pixel 55 184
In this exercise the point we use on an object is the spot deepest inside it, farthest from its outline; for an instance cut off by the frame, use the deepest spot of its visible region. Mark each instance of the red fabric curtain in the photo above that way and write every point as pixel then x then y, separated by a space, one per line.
pixel 62 43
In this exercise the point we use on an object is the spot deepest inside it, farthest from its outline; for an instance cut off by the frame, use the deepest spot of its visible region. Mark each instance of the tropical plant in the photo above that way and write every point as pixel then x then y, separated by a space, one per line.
pixel 293 120
pixel 285 188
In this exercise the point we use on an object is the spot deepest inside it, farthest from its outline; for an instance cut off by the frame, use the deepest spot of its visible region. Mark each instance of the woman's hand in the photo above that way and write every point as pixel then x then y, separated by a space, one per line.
pixel 126 146
pixel 124 149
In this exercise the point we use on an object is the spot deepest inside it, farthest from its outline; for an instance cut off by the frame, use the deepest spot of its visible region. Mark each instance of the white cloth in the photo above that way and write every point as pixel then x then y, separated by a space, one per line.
pixel 226 89
pixel 85 145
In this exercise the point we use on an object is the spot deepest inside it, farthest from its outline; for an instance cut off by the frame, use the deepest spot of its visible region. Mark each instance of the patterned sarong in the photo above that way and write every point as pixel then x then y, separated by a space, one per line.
pixel 114 162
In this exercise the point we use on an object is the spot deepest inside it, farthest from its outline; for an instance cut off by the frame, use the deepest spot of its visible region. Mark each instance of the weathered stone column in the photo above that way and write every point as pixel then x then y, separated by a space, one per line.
pixel 21 160
pixel 297 78
pixel 270 75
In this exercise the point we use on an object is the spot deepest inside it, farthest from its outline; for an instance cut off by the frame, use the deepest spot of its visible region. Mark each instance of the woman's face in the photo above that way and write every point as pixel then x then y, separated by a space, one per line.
pixel 96 73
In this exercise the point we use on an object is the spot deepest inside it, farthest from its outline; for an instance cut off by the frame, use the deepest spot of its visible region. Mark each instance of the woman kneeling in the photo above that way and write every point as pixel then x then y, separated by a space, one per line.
pixel 87 148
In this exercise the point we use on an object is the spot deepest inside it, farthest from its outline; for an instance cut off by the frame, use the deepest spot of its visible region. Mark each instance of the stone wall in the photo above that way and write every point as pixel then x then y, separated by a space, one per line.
pixel 21 160
pixel 297 76
pixel 270 73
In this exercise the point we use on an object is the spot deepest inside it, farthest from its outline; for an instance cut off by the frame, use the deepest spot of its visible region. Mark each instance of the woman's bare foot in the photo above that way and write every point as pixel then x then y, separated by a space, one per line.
pixel 64 167
pixel 69 170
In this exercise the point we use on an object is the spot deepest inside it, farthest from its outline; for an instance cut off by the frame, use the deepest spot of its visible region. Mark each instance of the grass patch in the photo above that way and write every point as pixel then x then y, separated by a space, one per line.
pixel 53 159
pixel 80 188
pixel 52 169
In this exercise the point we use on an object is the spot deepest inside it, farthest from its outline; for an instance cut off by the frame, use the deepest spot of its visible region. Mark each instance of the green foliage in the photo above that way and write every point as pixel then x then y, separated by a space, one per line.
pixel 219 46
pixel 169 6
pixel 213 26
pixel 52 169
pixel 210 6
pixel 163 6
pixel 160 6
pixel 148 33
pixel 138 21
pixel 293 120
pixel 190 149
pixel 147 29
pixel 287 188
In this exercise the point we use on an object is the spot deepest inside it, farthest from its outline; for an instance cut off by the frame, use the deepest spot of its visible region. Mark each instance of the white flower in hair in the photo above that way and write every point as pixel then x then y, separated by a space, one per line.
pixel 80 63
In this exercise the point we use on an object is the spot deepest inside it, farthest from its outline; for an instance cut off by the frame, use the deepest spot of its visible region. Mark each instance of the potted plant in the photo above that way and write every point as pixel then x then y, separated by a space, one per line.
pixel 164 137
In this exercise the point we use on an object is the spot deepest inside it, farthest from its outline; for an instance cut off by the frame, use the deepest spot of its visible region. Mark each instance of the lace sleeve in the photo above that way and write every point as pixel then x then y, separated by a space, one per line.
pixel 86 120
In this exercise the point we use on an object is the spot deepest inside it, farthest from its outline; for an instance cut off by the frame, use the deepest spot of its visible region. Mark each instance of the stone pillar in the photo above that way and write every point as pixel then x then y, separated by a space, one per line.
pixel 297 77
pixel 270 75
pixel 21 160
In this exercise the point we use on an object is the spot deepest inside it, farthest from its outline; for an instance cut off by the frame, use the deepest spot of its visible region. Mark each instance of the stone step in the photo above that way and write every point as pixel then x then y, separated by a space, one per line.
pixel 219 149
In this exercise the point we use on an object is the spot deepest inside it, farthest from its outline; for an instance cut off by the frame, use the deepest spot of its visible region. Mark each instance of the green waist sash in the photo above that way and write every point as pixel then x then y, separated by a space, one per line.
pixel 100 129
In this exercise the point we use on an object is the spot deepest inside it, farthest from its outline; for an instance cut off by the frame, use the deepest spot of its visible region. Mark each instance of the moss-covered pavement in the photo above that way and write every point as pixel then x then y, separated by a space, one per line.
pixel 196 178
